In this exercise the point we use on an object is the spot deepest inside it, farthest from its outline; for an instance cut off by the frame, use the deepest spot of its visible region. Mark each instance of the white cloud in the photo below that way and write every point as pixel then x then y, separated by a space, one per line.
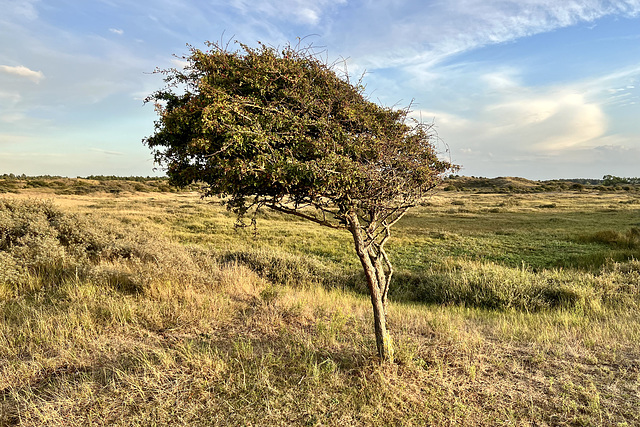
pixel 180 63
pixel 116 31
pixel 498 120
pixel 22 9
pixel 615 81
pixel 309 12
pixel 308 16
pixel 428 35
pixel 511 127
pixel 549 122
pixel 22 71
pixel 108 152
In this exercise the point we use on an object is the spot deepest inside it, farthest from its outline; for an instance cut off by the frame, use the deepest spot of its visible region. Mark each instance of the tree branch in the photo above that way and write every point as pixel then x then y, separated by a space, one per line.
pixel 312 218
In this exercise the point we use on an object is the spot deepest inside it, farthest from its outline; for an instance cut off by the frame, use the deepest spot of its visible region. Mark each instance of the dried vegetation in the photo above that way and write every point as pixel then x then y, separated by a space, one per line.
pixel 150 309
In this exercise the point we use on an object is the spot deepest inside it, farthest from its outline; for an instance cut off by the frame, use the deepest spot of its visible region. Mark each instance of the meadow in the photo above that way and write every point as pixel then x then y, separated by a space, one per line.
pixel 512 304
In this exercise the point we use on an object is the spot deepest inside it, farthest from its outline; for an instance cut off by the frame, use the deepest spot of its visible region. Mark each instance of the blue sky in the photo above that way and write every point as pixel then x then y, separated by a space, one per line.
pixel 534 88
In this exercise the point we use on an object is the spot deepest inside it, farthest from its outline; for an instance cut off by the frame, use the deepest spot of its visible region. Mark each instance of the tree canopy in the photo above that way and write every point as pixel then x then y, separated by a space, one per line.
pixel 282 129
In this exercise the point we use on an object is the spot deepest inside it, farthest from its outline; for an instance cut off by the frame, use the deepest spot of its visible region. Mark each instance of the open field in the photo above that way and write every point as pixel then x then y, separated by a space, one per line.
pixel 141 308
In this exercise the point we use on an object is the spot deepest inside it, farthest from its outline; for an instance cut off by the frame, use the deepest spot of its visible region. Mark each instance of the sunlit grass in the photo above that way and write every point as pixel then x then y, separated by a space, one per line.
pixel 506 311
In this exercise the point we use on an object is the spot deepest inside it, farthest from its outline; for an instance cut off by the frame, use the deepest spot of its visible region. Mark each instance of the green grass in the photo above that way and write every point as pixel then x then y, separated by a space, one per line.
pixel 151 308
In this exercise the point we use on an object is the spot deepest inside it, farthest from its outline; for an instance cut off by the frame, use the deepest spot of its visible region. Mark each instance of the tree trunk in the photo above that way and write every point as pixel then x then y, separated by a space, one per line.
pixel 375 282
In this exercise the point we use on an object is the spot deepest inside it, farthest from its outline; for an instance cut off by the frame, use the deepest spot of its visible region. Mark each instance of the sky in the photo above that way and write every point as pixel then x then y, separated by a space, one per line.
pixel 539 89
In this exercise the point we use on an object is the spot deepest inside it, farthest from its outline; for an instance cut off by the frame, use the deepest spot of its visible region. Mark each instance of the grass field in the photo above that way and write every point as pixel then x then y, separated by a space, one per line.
pixel 142 308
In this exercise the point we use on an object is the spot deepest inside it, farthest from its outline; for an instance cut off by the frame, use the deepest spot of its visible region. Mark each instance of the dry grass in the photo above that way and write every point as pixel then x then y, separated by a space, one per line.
pixel 206 333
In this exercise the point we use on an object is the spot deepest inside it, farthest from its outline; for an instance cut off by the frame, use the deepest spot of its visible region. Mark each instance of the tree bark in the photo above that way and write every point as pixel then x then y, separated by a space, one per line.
pixel 374 273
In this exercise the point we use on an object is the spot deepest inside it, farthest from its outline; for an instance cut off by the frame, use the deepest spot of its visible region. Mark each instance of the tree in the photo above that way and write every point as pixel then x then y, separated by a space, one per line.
pixel 280 129
pixel 611 180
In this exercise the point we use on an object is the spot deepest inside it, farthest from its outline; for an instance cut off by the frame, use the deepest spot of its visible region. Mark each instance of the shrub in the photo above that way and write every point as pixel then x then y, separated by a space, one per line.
pixel 41 246
pixel 496 287
pixel 509 202
pixel 287 269
pixel 487 285
pixel 628 240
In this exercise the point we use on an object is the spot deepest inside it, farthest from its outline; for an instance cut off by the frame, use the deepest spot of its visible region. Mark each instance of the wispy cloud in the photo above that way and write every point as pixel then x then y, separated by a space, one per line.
pixel 108 152
pixel 13 139
pixel 439 30
pixel 12 97
pixel 12 117
pixel 308 12
pixel 22 71
pixel 116 31
pixel 23 9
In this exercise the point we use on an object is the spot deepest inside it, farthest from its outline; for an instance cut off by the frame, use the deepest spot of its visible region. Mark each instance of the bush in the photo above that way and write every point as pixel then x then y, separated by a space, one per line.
pixel 509 203
pixel 496 287
pixel 41 246
pixel 628 240
pixel 486 285
pixel 287 269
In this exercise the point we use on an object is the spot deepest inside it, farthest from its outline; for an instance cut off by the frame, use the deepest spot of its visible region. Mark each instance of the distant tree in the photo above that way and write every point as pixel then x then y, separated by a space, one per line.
pixel 280 129
pixel 611 180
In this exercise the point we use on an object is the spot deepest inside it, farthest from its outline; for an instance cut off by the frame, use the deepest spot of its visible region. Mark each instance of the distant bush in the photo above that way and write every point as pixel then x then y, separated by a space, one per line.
pixel 509 203
pixel 611 180
pixel 497 287
pixel 485 285
pixel 287 269
pixel 630 239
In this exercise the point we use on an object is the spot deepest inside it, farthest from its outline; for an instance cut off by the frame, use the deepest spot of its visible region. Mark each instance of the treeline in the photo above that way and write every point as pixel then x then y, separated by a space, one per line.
pixel 608 180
